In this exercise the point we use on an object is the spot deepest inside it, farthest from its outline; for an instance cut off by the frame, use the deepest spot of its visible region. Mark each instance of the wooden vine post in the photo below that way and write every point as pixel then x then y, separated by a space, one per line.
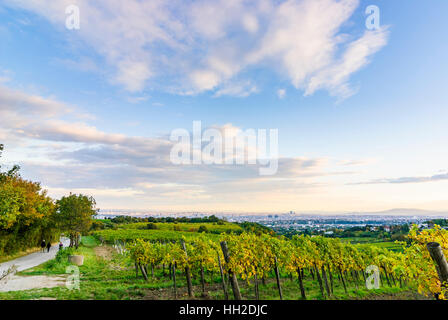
pixel 174 279
pixel 436 252
pixel 302 288
pixel 136 269
pixel 257 292
pixel 277 276
pixel 187 272
pixel 319 279
pixel 324 276
pixel 224 286
pixel 142 269
pixel 233 279
pixel 202 280
pixel 341 277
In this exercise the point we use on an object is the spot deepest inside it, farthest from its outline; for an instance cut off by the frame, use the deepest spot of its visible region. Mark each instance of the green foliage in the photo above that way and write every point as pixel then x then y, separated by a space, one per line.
pixel 166 231
pixel 26 213
pixel 97 225
pixel 256 228
pixel 74 215
pixel 129 219
pixel 115 277
pixel 127 235
pixel 151 226
pixel 215 228
pixel 439 222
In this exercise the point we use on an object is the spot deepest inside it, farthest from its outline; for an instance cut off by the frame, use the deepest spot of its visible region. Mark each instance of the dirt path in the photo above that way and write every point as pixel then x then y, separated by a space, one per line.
pixel 18 283
pixel 32 260
pixel 104 252
pixel 405 295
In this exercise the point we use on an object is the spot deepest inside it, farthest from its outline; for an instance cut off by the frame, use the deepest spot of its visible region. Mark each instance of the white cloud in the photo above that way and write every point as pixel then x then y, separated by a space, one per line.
pixel 138 99
pixel 281 93
pixel 192 47
pixel 133 75
pixel 84 64
pixel 116 193
pixel 66 155
pixel 237 89
pixel 18 109
pixel 250 23
pixel 205 79
pixel 69 155
pixel 5 76
pixel 335 78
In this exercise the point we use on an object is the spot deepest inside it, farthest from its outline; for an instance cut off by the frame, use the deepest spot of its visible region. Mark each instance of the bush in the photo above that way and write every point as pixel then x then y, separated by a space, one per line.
pixel 61 259
pixel 203 229
pixel 151 226
pixel 26 214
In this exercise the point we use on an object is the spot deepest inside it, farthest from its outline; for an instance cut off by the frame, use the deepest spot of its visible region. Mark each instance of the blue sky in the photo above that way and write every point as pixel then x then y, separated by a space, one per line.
pixel 361 114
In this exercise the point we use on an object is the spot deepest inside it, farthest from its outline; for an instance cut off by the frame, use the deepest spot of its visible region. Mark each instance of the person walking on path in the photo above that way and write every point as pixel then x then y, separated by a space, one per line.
pixel 48 246
pixel 42 246
pixel 61 245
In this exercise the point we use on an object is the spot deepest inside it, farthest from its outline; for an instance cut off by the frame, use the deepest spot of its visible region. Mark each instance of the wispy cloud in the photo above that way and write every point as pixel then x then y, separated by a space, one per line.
pixel 433 178
pixel 83 64
pixel 200 46
pixel 281 93
pixel 237 89
pixel 66 154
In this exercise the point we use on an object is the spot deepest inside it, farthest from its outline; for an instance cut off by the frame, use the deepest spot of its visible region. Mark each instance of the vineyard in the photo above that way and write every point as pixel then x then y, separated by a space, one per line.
pixel 186 227
pixel 253 259
pixel 165 231
pixel 127 235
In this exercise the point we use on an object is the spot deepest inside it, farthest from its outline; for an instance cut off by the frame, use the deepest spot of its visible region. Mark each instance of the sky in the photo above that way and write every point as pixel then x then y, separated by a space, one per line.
pixel 360 112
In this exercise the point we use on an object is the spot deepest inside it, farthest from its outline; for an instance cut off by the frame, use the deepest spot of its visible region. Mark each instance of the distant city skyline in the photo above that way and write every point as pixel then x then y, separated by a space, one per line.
pixel 360 108
pixel 392 212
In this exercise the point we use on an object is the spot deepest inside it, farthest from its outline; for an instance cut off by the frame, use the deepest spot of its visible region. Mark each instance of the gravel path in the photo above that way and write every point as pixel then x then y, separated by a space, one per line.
pixel 18 283
pixel 34 259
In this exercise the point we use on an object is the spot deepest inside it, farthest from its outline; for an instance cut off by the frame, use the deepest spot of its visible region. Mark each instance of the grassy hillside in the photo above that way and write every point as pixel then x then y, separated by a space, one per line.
pixel 186 227
pixel 165 231
pixel 109 275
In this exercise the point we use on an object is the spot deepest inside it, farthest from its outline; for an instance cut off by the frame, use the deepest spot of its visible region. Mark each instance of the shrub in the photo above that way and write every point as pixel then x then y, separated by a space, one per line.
pixel 151 226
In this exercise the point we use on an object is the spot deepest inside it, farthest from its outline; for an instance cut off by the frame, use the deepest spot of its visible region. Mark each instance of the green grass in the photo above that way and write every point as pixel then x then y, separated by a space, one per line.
pixel 132 234
pixel 187 227
pixel 291 290
pixel 89 241
pixel 390 245
pixel 100 279
pixel 116 279
pixel 165 231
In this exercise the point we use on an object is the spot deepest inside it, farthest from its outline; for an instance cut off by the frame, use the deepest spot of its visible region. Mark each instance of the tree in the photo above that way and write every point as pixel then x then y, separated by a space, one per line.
pixel 75 215
pixel 14 172
pixel 202 229
pixel 26 213
pixel 151 226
